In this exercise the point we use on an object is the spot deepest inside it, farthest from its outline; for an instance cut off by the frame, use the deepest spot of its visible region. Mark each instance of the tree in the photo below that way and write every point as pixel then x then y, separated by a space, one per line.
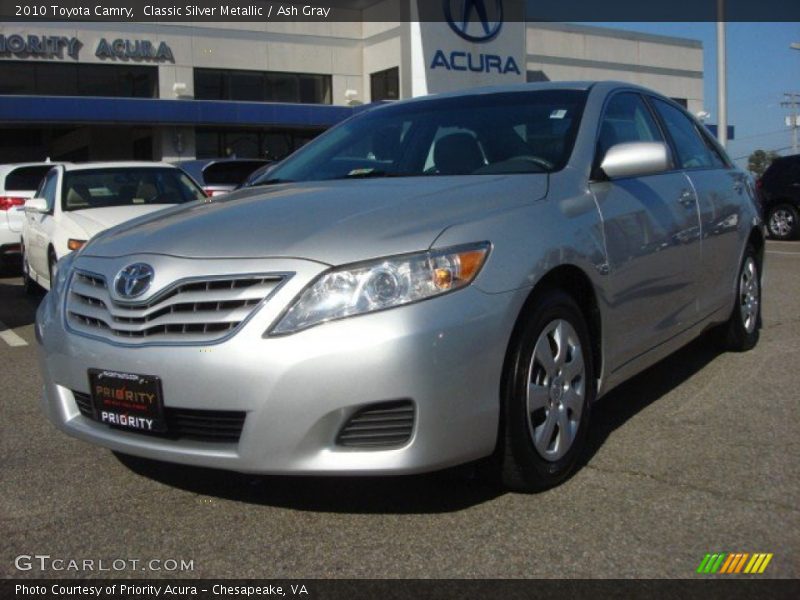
pixel 759 160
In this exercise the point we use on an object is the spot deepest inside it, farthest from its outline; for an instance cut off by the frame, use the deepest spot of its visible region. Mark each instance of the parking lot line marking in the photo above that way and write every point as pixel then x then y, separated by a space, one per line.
pixel 782 252
pixel 9 337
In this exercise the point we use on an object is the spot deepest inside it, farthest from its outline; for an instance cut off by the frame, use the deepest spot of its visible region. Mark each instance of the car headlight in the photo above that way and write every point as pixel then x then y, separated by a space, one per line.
pixel 381 284
pixel 62 270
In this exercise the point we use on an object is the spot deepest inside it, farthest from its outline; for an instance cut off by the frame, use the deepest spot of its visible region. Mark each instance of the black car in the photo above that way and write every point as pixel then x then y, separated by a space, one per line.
pixel 219 176
pixel 779 191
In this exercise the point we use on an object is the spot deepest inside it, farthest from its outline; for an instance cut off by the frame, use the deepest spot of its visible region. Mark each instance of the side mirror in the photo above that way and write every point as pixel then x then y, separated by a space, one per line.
pixel 36 205
pixel 635 158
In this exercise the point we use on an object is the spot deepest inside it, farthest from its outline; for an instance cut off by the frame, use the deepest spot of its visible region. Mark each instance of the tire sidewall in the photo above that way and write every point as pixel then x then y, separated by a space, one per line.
pixel 739 339
pixel 538 472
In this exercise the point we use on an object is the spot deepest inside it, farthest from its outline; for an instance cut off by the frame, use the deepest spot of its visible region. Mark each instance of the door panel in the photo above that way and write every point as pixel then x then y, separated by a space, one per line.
pixel 40 226
pixel 721 194
pixel 653 244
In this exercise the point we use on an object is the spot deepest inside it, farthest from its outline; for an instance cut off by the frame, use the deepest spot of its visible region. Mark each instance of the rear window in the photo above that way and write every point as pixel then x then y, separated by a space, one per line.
pixel 101 188
pixel 26 179
pixel 230 173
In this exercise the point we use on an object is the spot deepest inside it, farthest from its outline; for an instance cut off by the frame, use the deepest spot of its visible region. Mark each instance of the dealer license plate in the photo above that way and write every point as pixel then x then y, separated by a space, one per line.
pixel 127 400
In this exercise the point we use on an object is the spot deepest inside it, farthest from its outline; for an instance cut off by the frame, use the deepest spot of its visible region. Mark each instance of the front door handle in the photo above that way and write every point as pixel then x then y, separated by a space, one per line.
pixel 687 198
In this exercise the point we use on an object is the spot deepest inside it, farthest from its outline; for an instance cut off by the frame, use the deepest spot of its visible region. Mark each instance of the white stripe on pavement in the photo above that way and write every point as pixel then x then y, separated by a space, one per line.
pixel 9 337
pixel 781 252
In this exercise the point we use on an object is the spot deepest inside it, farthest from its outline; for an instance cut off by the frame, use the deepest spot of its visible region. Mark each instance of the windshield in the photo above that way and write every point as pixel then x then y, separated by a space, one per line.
pixel 482 134
pixel 127 186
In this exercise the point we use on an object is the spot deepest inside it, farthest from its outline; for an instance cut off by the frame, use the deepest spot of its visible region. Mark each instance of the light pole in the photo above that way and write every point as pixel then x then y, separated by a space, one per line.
pixel 793 103
pixel 722 88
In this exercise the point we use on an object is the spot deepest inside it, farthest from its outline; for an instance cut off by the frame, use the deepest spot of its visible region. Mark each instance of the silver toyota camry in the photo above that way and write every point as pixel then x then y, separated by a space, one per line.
pixel 429 283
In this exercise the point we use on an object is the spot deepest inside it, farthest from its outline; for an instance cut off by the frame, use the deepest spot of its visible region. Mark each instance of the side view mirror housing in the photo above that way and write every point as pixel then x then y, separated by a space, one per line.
pixel 632 159
pixel 36 205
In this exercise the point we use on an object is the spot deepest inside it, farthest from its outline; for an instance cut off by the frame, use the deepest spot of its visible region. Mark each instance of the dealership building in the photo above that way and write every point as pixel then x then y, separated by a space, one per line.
pixel 172 90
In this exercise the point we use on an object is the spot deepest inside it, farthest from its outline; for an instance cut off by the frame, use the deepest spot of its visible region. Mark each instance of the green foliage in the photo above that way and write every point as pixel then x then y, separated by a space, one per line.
pixel 759 160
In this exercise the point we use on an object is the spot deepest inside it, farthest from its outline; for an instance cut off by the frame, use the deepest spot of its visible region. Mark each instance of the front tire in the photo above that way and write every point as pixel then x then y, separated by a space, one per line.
pixel 740 332
pixel 51 266
pixel 783 222
pixel 549 389
pixel 28 284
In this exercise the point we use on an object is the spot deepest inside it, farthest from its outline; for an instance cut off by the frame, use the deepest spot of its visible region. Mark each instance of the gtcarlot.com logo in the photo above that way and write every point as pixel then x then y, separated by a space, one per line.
pixel 731 563
pixel 46 562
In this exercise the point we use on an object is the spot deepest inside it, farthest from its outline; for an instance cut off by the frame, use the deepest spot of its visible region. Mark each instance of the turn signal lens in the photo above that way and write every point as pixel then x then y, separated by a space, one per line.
pixel 75 244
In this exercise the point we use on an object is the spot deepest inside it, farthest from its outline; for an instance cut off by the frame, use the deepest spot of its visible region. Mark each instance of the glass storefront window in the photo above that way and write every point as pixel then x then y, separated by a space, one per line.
pixel 261 86
pixel 385 85
pixel 272 144
pixel 58 79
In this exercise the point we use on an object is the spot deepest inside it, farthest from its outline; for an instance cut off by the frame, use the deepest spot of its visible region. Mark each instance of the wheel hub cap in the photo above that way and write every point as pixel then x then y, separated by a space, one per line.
pixel 556 388
pixel 749 295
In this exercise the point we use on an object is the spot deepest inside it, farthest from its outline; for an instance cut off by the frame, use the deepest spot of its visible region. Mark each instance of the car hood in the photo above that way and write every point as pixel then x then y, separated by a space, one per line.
pixel 94 220
pixel 332 222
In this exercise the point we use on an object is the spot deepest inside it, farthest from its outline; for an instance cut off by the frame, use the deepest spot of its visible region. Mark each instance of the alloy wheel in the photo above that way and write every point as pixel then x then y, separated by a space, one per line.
pixel 781 222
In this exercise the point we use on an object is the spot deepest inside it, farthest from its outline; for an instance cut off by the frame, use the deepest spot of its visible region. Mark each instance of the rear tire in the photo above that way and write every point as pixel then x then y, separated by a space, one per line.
pixel 783 222
pixel 740 332
pixel 549 389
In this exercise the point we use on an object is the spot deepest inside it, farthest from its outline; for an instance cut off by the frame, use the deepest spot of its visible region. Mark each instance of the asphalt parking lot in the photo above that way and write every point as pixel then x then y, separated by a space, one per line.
pixel 699 454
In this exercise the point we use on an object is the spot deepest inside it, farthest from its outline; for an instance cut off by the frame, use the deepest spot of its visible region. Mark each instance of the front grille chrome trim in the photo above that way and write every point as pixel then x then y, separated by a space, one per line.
pixel 200 310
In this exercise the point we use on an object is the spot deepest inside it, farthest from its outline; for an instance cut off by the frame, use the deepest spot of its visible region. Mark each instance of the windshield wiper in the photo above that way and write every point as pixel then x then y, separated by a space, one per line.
pixel 365 174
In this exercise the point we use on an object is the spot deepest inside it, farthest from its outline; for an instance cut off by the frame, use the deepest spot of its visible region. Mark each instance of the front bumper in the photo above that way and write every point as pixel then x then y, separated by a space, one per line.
pixel 445 355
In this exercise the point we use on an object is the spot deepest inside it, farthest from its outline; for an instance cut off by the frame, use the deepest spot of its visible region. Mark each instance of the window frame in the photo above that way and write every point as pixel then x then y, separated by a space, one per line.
pixel 706 140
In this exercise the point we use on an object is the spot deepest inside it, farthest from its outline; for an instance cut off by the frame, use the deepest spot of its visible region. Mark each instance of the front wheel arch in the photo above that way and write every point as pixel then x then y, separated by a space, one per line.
pixel 573 281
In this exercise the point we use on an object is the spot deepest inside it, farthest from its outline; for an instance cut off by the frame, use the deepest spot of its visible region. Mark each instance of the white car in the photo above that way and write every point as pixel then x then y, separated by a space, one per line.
pixel 18 182
pixel 75 202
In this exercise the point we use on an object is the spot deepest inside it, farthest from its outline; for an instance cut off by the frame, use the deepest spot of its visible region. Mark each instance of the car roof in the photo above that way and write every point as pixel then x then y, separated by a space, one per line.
pixel 133 164
pixel 786 159
pixel 604 86
pixel 7 167
pixel 529 87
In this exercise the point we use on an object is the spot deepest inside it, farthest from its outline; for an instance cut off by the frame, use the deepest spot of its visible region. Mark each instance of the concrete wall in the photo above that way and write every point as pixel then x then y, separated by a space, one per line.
pixel 350 52
pixel 672 66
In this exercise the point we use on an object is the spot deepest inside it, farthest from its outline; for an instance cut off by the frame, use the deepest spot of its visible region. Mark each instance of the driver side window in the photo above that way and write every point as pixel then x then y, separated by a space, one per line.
pixel 626 119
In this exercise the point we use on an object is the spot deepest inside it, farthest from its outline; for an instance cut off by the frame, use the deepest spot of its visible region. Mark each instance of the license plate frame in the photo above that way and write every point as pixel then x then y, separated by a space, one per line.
pixel 129 401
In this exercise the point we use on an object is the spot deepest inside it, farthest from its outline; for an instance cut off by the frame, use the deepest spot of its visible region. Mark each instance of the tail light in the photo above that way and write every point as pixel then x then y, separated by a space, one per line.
pixel 9 202
pixel 211 192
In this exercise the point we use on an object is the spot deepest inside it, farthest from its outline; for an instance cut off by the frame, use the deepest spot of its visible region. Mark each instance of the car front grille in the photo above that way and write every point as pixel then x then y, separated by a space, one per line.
pixel 377 425
pixel 194 311
pixel 183 423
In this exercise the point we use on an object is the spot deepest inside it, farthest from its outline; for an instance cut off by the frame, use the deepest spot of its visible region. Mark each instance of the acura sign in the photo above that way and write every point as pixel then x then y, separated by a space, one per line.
pixel 474 20
pixel 477 22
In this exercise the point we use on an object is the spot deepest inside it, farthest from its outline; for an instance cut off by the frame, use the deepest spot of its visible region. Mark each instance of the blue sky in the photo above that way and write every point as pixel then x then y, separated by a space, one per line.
pixel 761 67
